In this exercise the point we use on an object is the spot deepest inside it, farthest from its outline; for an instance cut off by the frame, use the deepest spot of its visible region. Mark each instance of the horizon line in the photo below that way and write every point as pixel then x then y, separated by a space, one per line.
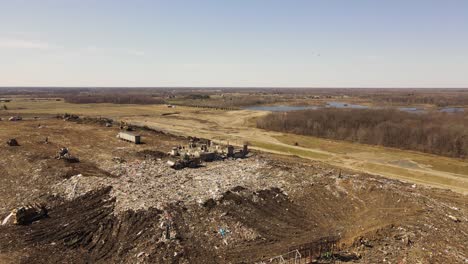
pixel 228 87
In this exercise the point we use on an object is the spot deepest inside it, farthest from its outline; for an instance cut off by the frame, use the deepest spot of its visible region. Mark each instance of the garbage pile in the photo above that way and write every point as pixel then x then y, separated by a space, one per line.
pixel 64 154
pixel 151 183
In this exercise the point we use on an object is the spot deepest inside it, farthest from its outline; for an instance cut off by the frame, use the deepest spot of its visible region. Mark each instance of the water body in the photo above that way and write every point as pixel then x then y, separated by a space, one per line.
pixel 412 110
pixel 346 105
pixel 287 108
pixel 280 108
pixel 452 110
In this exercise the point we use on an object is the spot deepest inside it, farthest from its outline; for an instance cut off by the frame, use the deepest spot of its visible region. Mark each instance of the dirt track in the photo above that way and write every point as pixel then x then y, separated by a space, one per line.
pixel 375 218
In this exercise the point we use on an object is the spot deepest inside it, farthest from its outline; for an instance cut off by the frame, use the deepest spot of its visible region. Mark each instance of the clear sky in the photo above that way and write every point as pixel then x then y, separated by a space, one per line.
pixel 280 43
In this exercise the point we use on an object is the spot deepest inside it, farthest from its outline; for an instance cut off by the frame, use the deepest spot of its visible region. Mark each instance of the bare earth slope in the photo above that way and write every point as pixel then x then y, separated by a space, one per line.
pixel 268 204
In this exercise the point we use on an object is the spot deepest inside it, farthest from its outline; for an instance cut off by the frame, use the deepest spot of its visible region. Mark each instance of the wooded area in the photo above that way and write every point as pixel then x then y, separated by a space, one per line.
pixel 412 99
pixel 437 133
pixel 113 98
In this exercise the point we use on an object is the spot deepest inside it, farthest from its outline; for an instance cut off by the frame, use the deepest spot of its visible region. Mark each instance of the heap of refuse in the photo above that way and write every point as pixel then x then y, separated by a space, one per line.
pixel 151 183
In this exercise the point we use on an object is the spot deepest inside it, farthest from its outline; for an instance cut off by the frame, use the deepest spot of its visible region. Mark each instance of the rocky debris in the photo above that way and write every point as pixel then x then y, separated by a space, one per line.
pixel 346 256
pixel 118 160
pixel 453 218
pixel 12 142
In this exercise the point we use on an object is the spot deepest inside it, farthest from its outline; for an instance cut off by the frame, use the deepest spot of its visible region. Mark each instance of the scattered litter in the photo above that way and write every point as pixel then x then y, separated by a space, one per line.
pixel 455 219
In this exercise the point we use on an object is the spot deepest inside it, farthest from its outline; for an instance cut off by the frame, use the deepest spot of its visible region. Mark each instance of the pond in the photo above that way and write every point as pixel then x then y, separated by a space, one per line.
pixel 280 108
pixel 412 110
pixel 287 108
pixel 346 105
pixel 452 110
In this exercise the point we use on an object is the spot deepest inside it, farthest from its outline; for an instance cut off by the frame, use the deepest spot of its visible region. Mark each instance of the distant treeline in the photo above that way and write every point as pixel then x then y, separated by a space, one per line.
pixel 440 99
pixel 437 133
pixel 227 101
pixel 113 99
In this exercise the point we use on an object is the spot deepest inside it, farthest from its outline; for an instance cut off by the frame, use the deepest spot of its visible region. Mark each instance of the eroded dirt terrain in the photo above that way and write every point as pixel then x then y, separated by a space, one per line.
pixel 117 210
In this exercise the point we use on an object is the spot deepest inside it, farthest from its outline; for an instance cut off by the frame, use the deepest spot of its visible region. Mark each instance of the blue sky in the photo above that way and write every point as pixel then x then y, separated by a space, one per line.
pixel 322 43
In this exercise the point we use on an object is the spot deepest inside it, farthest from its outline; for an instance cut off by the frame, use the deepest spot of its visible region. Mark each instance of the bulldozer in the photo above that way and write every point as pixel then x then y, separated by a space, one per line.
pixel 185 162
pixel 12 142
pixel 25 215
pixel 64 154
pixel 125 126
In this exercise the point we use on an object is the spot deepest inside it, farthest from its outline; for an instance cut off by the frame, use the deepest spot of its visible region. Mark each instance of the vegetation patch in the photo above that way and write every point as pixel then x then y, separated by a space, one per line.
pixel 436 133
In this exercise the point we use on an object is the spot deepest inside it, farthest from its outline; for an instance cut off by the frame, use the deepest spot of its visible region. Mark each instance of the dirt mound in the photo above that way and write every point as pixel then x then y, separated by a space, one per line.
pixel 243 226
pixel 99 121
pixel 234 211
pixel 151 154
pixel 87 230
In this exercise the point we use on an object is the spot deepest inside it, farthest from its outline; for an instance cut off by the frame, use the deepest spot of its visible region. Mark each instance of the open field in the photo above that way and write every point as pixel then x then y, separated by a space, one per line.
pixel 237 127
